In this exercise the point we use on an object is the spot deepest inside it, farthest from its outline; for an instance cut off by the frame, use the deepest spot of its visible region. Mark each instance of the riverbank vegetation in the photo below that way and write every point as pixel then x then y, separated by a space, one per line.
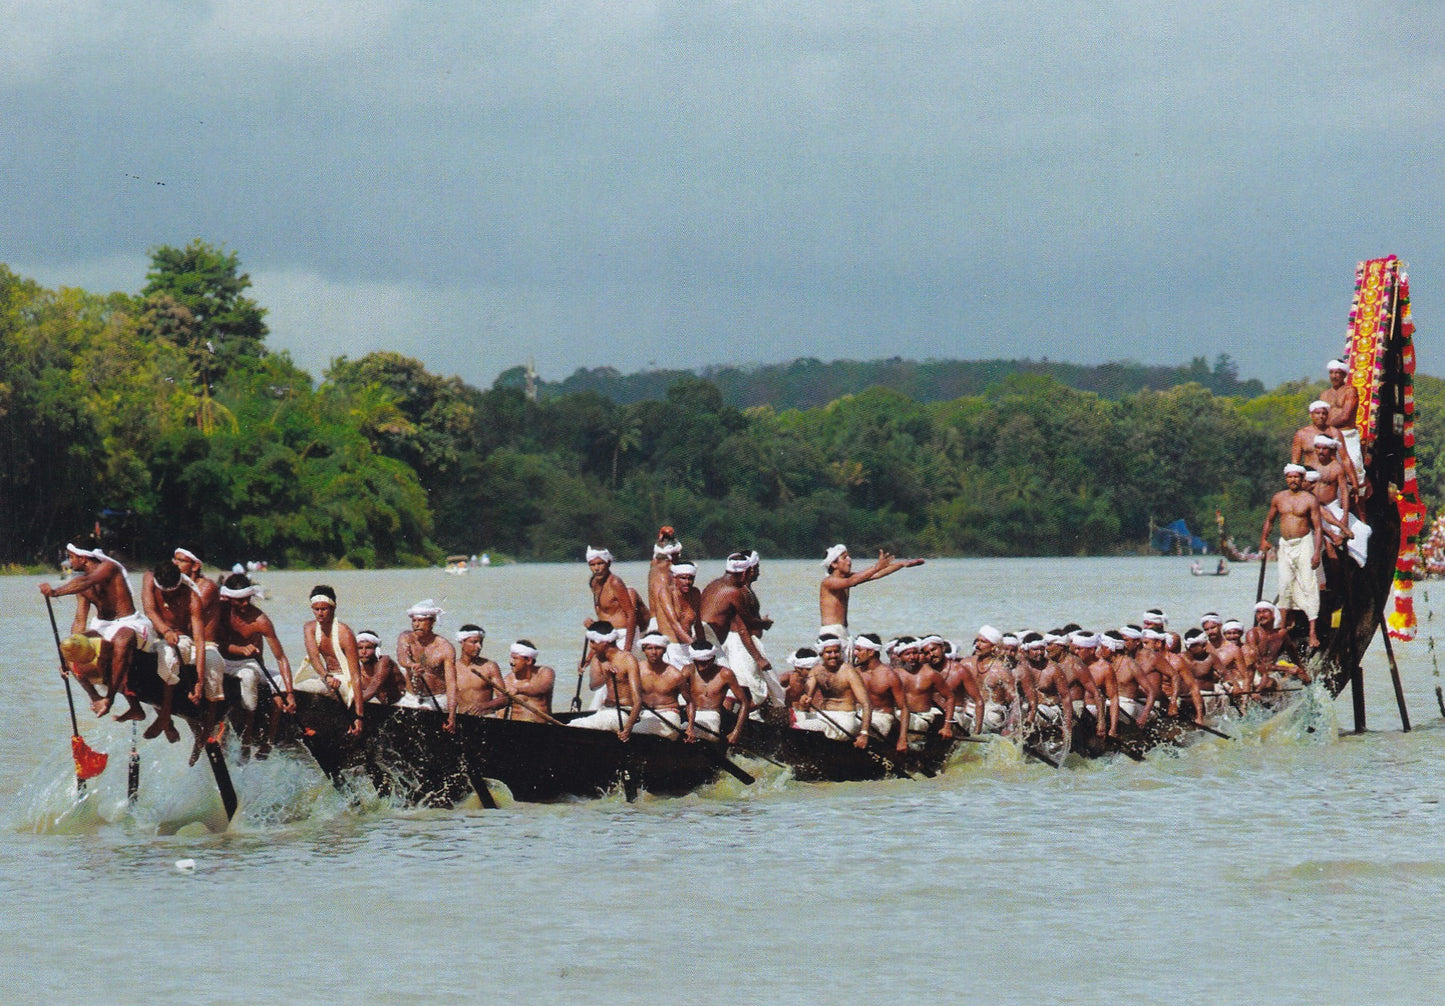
pixel 161 418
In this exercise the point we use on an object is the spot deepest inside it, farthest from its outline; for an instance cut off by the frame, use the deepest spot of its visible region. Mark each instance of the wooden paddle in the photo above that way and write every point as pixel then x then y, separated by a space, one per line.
pixel 88 763
pixel 718 758
pixel 892 766
pixel 1263 562
pixel 581 663
pixel 132 777
pixel 1395 677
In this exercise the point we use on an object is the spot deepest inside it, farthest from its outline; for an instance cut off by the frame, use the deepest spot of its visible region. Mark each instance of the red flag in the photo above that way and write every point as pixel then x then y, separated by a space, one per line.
pixel 88 763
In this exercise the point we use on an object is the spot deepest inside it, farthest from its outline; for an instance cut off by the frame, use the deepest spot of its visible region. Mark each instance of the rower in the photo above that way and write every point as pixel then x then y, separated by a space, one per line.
pixel 885 690
pixel 241 631
pixel 332 663
pixel 713 688
pixel 1137 693
pixel 836 693
pixel 529 687
pixel 381 680
pixel 964 680
pixel 1300 542
pixel 612 600
pixel 103 605
pixel 1269 636
pixel 926 690
pixel 839 581
pixel 1201 663
pixel 795 680
pixel 1087 664
pixel 1054 700
pixel 429 662
pixel 664 688
pixel 480 688
pixel 172 604
pixel 615 668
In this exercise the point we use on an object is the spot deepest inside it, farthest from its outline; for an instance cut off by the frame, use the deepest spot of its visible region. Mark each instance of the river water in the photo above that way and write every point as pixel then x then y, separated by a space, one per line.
pixel 1296 863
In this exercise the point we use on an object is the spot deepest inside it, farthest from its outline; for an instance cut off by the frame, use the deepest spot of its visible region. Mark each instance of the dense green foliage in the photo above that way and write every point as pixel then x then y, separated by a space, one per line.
pixel 163 417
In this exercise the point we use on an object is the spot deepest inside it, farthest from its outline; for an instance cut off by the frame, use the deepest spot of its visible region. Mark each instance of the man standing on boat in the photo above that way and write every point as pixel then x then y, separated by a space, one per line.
pixel 172 603
pixel 331 656
pixel 103 605
pixel 1302 448
pixel 672 597
pixel 1300 543
pixel 381 679
pixel 1332 490
pixel 617 670
pixel 529 687
pixel 612 600
pixel 429 662
pixel 480 688
pixel 729 624
pixel 839 580
pixel 1344 403
pixel 240 633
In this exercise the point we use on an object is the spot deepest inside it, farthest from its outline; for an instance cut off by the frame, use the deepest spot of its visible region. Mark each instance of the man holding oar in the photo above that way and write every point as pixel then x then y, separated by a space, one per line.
pixel 103 605
pixel 481 690
pixel 331 656
pixel 837 697
pixel 381 679
pixel 885 691
pixel 713 686
pixel 529 687
pixel 673 598
pixel 429 663
pixel 617 670
pixel 241 631
pixel 172 603
pixel 664 687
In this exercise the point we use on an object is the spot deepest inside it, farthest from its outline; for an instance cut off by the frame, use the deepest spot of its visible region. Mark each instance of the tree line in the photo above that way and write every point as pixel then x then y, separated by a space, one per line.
pixel 161 417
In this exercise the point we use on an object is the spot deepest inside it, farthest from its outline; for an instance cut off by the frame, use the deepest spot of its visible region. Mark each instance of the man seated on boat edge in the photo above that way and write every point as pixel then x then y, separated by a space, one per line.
pixel 1270 637
pixel 616 670
pixel 103 605
pixel 885 690
pixel 331 666
pixel 794 681
pixel 836 701
pixel 241 631
pixel 381 680
pixel 714 687
pixel 172 603
pixel 481 690
pixel 429 662
pixel 529 687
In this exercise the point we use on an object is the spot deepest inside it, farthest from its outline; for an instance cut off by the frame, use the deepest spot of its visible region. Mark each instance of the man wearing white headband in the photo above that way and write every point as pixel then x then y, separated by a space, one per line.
pixel 1344 403
pixel 835 701
pixel 1300 543
pixel 481 689
pixel 1269 638
pixel 965 677
pixel 615 670
pixel 839 580
pixel 1137 693
pixel 381 680
pixel 795 680
pixel 104 607
pixel 333 665
pixel 529 687
pixel 885 690
pixel 672 596
pixel 242 630
pixel 1344 532
pixel 926 690
pixel 172 604
pixel 1303 448
pixel 663 687
pixel 714 688
pixel 612 600
pixel 731 621
pixel 429 662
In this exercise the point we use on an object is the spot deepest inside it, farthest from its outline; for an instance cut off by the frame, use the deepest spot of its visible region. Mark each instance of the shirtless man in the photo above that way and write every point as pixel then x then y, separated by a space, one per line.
pixel 1302 447
pixel 381 679
pixel 729 623
pixel 839 580
pixel 1269 637
pixel 1224 640
pixel 965 679
pixel 429 663
pixel 713 687
pixel 480 688
pixel 1086 647
pixel 885 690
pixel 1332 490
pixel 1184 681
pixel 1051 686
pixel 664 690
pixel 1299 525
pixel 674 610
pixel 617 670
pixel 529 687
pixel 331 656
pixel 1133 684
pixel 836 689
pixel 1201 663
pixel 925 688
pixel 103 605
pixel 240 633
pixel 1344 403
pixel 795 680
pixel 612 601
pixel 173 607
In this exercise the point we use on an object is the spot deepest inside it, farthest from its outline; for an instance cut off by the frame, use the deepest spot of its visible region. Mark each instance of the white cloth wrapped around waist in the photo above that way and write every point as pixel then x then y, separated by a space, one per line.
pixel 108 627
pixel 1359 545
pixel 606 718
pixel 995 714
pixel 838 724
pixel 170 658
pixel 651 722
pixel 307 679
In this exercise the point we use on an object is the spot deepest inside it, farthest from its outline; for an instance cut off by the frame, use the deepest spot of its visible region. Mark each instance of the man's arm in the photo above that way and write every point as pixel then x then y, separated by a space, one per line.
pixel 449 670
pixel 860 696
pixel 1268 522
pixel 1317 527
pixel 268 633
pixel 634 684
pixel 744 700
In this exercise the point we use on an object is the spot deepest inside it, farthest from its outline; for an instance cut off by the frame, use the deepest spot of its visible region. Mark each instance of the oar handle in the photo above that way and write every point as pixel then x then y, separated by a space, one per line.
pixel 64 674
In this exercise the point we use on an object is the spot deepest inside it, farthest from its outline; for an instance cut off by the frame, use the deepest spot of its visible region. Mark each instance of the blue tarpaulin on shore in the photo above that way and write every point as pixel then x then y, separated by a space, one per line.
pixel 1177 539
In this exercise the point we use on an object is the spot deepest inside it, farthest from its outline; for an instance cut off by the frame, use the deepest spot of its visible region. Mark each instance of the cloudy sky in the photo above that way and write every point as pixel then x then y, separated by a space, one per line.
pixel 657 184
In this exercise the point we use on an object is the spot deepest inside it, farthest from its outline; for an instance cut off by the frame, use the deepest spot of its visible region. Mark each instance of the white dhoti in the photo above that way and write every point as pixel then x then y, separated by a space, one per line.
pixel 606 718
pixel 1351 437
pixel 653 723
pixel 1299 588
pixel 108 627
pixel 247 671
pixel 882 724
pixel 307 680
pixel 708 719
pixel 920 723
pixel 1359 545
pixel 1130 708
pixel 170 658
pixel 763 685
pixel 433 703
pixel 836 724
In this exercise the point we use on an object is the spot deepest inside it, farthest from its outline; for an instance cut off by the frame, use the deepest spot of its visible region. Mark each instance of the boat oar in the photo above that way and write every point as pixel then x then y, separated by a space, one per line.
pixel 1395 677
pixel 1263 562
pixel 88 763
pixel 629 782
pixel 132 777
pixel 889 763
pixel 717 757
pixel 740 746
pixel 581 663
pixel 483 791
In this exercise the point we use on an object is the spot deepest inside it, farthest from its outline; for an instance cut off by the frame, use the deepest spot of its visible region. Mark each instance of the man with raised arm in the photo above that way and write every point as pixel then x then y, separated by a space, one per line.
pixel 332 659
pixel 429 663
pixel 713 687
pixel 1300 541
pixel 617 670
pixel 839 580
pixel 612 600
pixel 104 606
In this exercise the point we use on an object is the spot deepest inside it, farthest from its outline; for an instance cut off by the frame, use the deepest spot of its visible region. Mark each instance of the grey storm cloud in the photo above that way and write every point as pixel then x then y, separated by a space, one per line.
pixel 684 184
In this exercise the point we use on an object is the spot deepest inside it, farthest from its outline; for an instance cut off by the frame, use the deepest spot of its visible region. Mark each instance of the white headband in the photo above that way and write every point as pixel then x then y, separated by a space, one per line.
pixel 87 552
pixel 598 553
pixel 825 642
pixel 1129 632
pixel 1337 365
pixel 654 639
pixel 187 554
pixel 424 609
pixel 1084 640
pixel 864 643
pixel 1208 617
pixel 802 663
pixel 1109 642
pixel 1009 639
pixel 1323 441
pixel 368 637
pixel 604 637
pixel 1155 615
pixel 1273 610
pixel 523 650
pixel 240 593
pixel 831 556
pixel 659 549
pixel 1319 403
pixel 930 639
pixel 741 565
pixel 684 569
pixel 1294 469
pixel 1231 625
pixel 702 651
pixel 465 634
pixel 990 633
pixel 323 599
pixel 1152 634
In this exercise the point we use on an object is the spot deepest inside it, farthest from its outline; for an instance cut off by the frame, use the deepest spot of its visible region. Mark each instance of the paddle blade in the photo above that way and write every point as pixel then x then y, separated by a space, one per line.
pixel 88 763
